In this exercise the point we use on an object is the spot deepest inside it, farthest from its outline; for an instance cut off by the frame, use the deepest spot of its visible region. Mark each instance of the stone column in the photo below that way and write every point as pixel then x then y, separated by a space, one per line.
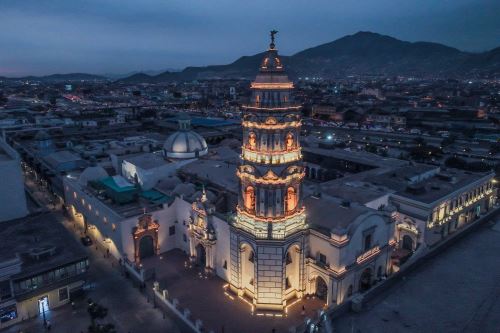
pixel 192 250
pixel 300 292
pixel 329 293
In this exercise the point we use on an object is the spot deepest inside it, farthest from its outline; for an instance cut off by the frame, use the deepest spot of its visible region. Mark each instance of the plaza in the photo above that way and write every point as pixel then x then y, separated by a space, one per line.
pixel 220 310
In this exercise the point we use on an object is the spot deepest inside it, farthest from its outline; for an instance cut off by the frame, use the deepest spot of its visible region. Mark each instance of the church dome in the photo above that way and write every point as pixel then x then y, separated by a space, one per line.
pixel 92 173
pixel 185 143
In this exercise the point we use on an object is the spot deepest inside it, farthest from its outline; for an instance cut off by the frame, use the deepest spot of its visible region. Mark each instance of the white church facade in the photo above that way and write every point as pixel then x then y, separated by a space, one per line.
pixel 281 244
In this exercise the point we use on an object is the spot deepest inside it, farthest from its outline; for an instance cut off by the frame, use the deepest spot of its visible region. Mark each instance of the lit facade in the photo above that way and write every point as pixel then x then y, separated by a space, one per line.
pixel 270 223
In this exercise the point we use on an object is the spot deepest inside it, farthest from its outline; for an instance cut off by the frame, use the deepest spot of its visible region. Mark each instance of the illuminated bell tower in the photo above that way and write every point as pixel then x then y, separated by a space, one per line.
pixel 270 216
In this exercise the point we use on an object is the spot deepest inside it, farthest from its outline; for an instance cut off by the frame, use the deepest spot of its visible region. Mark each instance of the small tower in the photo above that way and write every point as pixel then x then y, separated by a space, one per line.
pixel 267 234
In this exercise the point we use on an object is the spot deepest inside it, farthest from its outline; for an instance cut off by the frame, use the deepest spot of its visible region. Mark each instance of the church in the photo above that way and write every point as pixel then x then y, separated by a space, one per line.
pixel 282 242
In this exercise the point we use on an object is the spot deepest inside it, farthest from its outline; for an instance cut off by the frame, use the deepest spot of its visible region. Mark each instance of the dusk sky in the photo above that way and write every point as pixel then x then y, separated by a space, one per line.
pixel 118 36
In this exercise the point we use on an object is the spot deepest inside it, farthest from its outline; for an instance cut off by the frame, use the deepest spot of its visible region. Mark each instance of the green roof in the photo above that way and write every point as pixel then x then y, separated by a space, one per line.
pixel 117 184
pixel 155 196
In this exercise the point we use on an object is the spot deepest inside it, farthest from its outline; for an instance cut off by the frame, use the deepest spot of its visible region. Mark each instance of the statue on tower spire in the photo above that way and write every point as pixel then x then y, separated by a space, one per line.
pixel 272 33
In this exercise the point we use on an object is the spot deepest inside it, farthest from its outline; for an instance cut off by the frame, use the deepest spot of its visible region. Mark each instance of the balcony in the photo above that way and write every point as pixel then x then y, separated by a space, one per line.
pixel 273 158
pixel 367 255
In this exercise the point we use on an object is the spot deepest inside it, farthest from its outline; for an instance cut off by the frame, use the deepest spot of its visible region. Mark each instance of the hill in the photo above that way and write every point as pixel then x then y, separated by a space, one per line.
pixel 359 54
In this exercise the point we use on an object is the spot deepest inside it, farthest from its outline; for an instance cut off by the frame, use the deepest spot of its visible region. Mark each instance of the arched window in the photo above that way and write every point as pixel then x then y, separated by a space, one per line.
pixel 251 257
pixel 349 291
pixel 252 140
pixel 257 99
pixel 250 198
pixel 291 199
pixel 289 142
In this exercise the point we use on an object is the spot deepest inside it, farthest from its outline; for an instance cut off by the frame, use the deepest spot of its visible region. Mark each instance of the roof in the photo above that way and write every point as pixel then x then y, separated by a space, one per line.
pixel 118 184
pixel 185 144
pixel 327 214
pixel 361 157
pixel 92 173
pixel 216 172
pixel 34 234
pixel 155 196
pixel 146 161
pixel 63 156
pixel 441 185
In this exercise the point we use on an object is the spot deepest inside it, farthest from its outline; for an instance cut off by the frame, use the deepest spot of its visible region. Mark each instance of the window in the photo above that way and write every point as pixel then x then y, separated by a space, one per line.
pixel 8 313
pixel 368 242
pixel 250 198
pixel 291 199
pixel 63 294
pixel 225 264
pixel 322 259
pixel 171 230
pixel 5 290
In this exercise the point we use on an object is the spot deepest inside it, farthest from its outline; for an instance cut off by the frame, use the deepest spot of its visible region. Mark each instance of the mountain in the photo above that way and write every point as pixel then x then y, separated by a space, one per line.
pixel 370 53
pixel 361 53
pixel 152 72
pixel 58 78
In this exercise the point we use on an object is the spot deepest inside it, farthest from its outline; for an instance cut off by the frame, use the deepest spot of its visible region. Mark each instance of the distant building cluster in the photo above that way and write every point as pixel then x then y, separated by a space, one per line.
pixel 282 189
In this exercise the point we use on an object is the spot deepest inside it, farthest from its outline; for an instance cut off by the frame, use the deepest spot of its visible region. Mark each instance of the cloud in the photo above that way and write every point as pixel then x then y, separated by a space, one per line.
pixel 98 36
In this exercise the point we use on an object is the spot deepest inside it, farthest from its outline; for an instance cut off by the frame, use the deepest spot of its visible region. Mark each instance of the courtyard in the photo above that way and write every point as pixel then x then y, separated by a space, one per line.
pixel 220 311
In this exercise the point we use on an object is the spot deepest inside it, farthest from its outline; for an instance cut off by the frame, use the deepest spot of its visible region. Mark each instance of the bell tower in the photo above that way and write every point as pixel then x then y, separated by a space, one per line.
pixel 270 217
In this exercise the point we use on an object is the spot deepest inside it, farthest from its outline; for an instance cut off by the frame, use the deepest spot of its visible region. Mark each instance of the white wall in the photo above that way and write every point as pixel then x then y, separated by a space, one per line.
pixel 12 195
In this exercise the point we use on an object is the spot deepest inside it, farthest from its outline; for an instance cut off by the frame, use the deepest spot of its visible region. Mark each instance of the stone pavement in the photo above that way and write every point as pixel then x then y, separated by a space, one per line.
pixel 205 298
pixel 128 309
pixel 455 291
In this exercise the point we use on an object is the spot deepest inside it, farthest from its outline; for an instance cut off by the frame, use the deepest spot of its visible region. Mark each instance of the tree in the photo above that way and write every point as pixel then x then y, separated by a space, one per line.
pixel 97 311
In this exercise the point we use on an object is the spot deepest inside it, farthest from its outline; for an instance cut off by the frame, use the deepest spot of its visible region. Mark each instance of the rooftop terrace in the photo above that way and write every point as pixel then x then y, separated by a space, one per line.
pixel 27 237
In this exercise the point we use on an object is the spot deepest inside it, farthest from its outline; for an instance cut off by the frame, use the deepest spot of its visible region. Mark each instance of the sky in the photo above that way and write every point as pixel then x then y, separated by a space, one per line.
pixel 40 37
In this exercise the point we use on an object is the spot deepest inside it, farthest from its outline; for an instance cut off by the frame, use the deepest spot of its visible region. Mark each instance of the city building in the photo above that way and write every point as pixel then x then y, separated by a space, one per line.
pixel 275 225
pixel 41 267
pixel 12 194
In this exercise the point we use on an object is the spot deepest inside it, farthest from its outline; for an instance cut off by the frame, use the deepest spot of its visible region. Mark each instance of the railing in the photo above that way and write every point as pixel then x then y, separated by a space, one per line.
pixel 368 254
pixel 130 267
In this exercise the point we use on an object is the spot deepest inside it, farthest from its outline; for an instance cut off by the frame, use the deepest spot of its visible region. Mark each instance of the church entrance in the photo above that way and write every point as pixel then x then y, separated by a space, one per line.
pixel 407 243
pixel 201 255
pixel 321 288
pixel 146 247
pixel 365 282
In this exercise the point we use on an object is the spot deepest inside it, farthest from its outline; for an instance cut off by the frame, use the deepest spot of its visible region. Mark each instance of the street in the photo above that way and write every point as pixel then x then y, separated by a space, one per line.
pixel 128 309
